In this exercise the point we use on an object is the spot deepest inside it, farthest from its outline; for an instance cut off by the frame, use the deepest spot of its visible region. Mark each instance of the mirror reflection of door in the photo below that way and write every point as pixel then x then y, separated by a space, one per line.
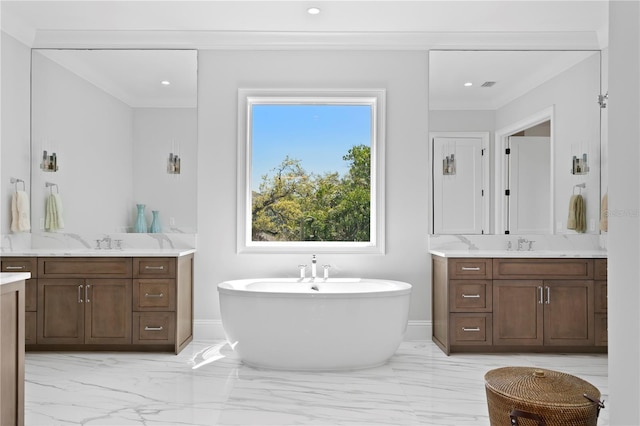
pixel 529 181
pixel 458 185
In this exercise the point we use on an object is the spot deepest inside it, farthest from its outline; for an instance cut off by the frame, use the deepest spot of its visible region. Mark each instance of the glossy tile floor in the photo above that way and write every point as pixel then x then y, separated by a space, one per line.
pixel 207 385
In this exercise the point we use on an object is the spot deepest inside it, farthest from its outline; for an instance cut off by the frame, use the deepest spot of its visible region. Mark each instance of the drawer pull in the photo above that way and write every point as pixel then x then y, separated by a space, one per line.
pixel 471 296
pixel 465 329
pixel 147 328
pixel 14 268
pixel 154 268
pixel 540 299
pixel 470 268
pixel 79 294
pixel 153 295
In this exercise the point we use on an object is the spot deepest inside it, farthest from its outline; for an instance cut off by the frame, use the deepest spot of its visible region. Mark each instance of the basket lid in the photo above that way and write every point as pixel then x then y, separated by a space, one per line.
pixel 538 385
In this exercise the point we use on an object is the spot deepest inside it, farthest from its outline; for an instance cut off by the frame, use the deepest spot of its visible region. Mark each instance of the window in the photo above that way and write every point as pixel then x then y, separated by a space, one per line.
pixel 311 171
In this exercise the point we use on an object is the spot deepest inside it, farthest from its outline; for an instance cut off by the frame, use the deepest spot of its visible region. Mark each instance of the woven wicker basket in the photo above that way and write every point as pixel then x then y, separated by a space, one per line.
pixel 528 396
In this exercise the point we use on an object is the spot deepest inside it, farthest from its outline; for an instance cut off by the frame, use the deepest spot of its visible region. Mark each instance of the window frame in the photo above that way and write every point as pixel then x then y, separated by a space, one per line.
pixel 376 98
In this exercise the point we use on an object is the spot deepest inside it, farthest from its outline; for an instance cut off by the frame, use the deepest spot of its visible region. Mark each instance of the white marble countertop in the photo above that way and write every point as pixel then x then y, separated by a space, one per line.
pixel 12 277
pixel 540 254
pixel 170 252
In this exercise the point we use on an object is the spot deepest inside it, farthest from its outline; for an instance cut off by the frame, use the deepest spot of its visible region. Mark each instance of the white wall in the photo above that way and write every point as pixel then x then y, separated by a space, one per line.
pixel 577 122
pixel 15 155
pixel 156 133
pixel 91 132
pixel 403 75
pixel 624 206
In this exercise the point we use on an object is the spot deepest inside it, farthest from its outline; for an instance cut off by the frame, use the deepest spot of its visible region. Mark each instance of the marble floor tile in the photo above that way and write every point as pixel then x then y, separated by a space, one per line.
pixel 207 385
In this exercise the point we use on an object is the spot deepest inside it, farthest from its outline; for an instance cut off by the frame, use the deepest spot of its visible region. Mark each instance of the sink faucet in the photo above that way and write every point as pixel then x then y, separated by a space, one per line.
pixel 521 242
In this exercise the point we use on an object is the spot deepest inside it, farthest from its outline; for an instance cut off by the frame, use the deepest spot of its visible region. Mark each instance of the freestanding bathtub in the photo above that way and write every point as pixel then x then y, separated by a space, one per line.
pixel 333 324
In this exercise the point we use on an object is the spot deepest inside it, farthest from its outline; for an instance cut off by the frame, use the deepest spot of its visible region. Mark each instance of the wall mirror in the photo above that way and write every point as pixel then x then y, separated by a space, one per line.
pixel 123 127
pixel 506 131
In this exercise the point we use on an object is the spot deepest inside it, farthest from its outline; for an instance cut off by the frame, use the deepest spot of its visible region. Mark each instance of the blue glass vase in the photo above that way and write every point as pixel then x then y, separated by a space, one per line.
pixel 155 223
pixel 141 222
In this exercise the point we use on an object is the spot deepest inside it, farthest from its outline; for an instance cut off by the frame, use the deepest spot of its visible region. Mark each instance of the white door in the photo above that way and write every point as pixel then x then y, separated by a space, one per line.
pixel 458 193
pixel 529 197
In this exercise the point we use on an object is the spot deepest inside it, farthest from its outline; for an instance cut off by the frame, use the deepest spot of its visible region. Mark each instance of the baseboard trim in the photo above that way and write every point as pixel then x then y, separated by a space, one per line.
pixel 212 330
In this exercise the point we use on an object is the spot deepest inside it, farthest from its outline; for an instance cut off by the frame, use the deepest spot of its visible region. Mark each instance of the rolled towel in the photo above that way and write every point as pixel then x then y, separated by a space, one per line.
pixel 20 216
pixel 572 217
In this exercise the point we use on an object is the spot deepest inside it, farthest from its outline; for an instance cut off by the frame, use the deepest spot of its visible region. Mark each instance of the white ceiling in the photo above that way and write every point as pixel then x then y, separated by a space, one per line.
pixel 360 24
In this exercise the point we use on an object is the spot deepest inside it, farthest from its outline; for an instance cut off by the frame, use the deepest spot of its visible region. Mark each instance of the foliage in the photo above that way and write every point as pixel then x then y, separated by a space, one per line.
pixel 293 205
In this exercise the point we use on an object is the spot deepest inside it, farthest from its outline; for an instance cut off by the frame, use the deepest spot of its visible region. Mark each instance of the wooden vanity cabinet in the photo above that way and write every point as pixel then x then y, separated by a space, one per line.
pixel 519 304
pixel 93 309
pixel 26 264
pixel 112 303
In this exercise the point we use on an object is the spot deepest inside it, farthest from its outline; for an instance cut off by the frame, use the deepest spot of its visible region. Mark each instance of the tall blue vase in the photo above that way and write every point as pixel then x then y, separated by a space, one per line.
pixel 141 222
pixel 155 223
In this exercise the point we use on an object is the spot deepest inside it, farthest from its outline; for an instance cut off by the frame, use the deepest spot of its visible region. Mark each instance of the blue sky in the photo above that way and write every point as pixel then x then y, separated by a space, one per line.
pixel 318 135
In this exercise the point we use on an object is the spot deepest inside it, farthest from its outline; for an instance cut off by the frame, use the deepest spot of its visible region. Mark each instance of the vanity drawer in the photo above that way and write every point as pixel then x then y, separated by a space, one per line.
pixel 527 268
pixel 600 269
pixel 470 295
pixel 471 329
pixel 460 269
pixel 84 267
pixel 154 294
pixel 20 264
pixel 154 327
pixel 154 267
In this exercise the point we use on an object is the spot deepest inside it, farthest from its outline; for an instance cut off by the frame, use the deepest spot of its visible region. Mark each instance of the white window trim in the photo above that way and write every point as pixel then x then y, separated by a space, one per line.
pixel 374 97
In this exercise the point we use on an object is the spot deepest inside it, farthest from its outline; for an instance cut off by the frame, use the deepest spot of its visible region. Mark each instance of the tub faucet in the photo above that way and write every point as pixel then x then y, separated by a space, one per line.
pixel 314 267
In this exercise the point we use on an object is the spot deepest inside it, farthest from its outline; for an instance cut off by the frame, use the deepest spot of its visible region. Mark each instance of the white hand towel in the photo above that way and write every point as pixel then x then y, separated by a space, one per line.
pixel 20 216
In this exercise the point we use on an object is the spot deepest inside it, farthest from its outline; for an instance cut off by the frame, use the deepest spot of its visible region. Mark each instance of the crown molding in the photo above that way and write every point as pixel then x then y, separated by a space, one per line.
pixel 239 40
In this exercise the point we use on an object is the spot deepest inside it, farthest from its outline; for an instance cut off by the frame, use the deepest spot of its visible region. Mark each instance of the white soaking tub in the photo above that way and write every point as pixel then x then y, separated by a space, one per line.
pixel 333 324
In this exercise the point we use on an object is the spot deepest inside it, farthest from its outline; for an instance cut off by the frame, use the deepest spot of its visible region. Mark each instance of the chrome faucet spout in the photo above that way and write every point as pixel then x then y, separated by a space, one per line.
pixel 314 267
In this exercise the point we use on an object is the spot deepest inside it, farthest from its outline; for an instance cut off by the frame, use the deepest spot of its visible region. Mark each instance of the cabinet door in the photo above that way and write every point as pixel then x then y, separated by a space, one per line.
pixel 517 312
pixel 60 311
pixel 569 313
pixel 107 311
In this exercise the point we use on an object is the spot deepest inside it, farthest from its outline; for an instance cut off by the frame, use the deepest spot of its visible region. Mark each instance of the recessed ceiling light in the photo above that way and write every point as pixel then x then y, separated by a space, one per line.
pixel 165 82
pixel 313 10
pixel 468 84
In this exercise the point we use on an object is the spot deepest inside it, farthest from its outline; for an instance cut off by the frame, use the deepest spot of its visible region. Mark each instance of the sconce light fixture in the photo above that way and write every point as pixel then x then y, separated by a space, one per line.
pixel 173 164
pixel 49 162
pixel 580 165
pixel 449 165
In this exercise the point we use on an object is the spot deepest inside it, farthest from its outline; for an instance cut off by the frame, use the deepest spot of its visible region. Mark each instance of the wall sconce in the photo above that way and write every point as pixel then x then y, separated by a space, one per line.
pixel 49 162
pixel 173 164
pixel 580 165
pixel 449 165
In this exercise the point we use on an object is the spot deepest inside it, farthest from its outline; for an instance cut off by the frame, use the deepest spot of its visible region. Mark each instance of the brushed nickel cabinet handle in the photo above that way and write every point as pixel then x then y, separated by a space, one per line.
pixel 80 294
pixel 548 295
pixel 471 296
pixel 541 297
pixel 153 295
pixel 469 268
pixel 15 268
pixel 466 329
pixel 156 268
pixel 86 293
pixel 147 328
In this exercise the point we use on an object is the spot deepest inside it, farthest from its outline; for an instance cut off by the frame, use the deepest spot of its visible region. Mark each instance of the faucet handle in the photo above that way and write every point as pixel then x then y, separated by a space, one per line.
pixel 303 270
pixel 326 271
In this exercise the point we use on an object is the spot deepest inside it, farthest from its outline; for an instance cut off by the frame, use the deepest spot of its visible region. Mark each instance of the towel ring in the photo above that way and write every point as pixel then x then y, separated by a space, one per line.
pixel 17 181
pixel 50 185
pixel 579 186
